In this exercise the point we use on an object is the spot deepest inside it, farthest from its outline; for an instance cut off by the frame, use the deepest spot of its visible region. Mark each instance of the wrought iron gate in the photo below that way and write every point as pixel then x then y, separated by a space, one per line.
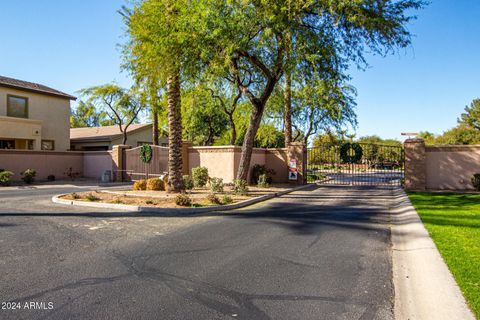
pixel 356 164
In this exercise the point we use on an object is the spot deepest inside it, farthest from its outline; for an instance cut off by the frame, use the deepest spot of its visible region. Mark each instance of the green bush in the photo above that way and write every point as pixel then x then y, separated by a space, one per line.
pixel 92 197
pixel 5 177
pixel 140 185
pixel 227 199
pixel 155 184
pixel 258 170
pixel 28 176
pixel 200 177
pixel 262 181
pixel 183 200
pixel 212 197
pixel 240 187
pixel 216 184
pixel 188 182
pixel 476 181
pixel 165 183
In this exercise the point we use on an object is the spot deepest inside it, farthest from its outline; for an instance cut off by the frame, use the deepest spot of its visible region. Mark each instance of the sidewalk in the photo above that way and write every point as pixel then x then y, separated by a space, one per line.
pixel 424 287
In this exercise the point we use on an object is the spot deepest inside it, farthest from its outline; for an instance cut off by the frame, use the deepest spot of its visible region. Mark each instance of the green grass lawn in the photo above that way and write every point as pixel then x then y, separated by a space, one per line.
pixel 453 221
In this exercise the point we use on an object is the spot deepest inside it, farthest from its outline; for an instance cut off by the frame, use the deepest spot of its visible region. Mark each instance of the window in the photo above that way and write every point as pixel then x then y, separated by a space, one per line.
pixel 7 144
pixel 17 107
pixel 48 145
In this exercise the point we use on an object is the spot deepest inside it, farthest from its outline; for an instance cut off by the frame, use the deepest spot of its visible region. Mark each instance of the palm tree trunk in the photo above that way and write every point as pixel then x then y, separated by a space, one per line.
pixel 175 179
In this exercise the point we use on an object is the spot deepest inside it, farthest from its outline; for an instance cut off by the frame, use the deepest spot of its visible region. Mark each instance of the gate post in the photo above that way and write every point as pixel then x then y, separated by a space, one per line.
pixel 297 151
pixel 185 165
pixel 415 171
pixel 118 161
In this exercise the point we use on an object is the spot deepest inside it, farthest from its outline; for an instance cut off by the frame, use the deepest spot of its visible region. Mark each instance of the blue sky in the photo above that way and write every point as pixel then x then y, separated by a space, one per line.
pixel 70 45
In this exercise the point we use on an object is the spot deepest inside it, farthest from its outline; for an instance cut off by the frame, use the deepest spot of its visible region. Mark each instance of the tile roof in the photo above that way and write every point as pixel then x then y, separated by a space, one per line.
pixel 34 87
pixel 103 133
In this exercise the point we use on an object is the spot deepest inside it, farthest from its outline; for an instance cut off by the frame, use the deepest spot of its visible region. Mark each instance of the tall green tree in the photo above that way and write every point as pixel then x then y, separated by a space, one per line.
pixel 86 115
pixel 165 39
pixel 204 121
pixel 323 105
pixel 122 106
pixel 329 33
pixel 471 116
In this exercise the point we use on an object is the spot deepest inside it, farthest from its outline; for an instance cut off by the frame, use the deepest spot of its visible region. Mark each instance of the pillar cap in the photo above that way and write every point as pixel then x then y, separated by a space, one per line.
pixel 414 140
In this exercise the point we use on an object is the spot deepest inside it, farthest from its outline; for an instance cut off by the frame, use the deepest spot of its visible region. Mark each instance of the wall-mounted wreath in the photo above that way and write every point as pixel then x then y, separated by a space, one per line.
pixel 146 153
pixel 346 154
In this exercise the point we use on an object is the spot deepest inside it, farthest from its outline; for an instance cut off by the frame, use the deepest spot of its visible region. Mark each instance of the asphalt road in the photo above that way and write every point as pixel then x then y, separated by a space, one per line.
pixel 314 254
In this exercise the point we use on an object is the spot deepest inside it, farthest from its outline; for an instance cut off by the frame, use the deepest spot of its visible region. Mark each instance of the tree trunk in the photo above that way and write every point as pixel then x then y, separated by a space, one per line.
pixel 233 129
pixel 155 128
pixel 175 179
pixel 124 133
pixel 247 147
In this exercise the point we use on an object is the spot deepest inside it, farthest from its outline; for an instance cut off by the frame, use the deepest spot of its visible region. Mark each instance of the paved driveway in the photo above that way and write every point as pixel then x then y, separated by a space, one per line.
pixel 314 254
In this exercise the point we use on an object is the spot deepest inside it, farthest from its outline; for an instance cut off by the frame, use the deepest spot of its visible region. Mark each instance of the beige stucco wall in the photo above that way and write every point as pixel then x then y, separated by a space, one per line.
pixel 277 159
pixel 451 167
pixel 53 112
pixel 222 161
pixel 43 162
pixel 218 160
pixel 95 163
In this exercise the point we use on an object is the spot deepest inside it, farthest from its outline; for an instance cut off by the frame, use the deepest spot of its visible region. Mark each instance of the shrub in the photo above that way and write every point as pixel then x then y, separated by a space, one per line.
pixel 258 170
pixel 165 183
pixel 216 184
pixel 5 177
pixel 227 199
pixel 200 177
pixel 155 184
pixel 92 197
pixel 140 185
pixel 51 177
pixel 212 197
pixel 188 182
pixel 476 181
pixel 262 181
pixel 75 196
pixel 183 200
pixel 240 187
pixel 28 176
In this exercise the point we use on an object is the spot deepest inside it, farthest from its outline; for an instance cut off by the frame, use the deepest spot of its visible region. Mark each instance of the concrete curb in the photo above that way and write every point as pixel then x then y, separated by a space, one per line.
pixel 124 207
pixel 424 286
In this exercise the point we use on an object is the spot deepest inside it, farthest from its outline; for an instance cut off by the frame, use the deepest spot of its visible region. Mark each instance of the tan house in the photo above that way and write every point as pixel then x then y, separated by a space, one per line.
pixel 33 116
pixel 104 138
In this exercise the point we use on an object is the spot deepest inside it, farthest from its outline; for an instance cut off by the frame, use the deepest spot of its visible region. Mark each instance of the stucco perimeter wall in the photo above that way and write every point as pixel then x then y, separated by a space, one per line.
pixel 218 160
pixel 277 159
pixel 85 164
pixel 222 161
pixel 44 163
pixel 451 167
pixel 95 163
